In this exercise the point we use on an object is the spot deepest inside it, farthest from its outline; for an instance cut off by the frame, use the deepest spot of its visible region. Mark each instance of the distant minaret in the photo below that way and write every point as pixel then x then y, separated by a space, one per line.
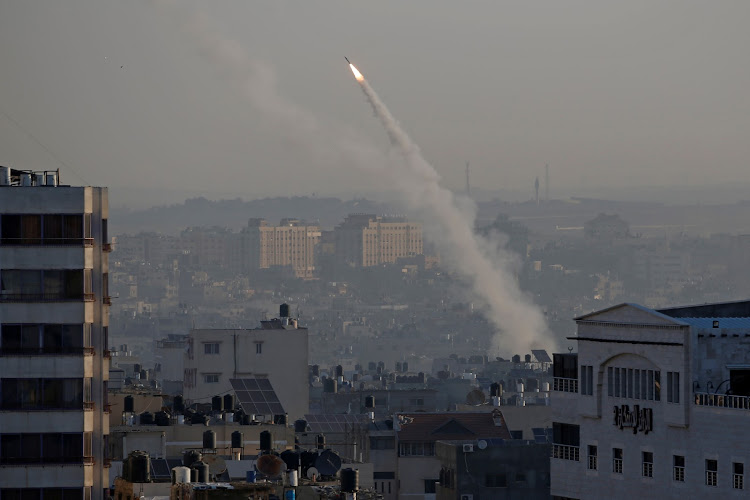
pixel 536 188
pixel 546 183
pixel 468 186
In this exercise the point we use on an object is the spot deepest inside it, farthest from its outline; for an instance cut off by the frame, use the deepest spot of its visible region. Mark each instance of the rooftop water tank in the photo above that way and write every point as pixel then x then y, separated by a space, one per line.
pixel 202 471
pixel 209 440
pixel 284 310
pixel 349 480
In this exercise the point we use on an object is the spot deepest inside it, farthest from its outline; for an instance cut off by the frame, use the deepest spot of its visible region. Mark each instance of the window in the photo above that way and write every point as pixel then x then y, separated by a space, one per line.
pixel 673 387
pixel 211 348
pixel 45 493
pixel 258 347
pixel 565 441
pixel 429 485
pixel 738 475
pixel 50 229
pixel 587 380
pixel 382 443
pixel 44 339
pixel 44 393
pixel 678 468
pixel 416 449
pixel 211 378
pixel 711 472
pixel 40 285
pixel 647 470
pixel 593 465
pixel 634 383
pixel 617 460
pixel 497 480
pixel 48 448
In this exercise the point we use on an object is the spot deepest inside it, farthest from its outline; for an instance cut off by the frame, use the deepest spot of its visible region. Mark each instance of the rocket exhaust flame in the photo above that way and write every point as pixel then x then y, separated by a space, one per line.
pixel 356 72
pixel 482 263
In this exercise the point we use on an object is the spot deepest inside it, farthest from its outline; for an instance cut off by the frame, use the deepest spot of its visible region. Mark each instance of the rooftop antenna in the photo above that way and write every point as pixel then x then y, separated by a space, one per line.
pixel 468 185
pixel 546 183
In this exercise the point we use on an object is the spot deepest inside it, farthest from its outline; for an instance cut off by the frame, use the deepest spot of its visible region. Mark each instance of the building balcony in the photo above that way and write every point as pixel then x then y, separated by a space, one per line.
pixel 565 384
pixel 46 297
pixel 27 461
pixel 722 401
pixel 566 452
pixel 47 242
pixel 46 351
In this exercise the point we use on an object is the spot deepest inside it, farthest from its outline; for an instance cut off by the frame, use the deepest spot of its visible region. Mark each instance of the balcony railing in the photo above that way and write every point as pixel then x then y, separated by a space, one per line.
pixel 48 242
pixel 88 405
pixel 566 452
pixel 46 297
pixel 108 354
pixel 108 408
pixel 46 351
pixel 107 300
pixel 565 384
pixel 722 401
pixel 26 461
pixel 107 247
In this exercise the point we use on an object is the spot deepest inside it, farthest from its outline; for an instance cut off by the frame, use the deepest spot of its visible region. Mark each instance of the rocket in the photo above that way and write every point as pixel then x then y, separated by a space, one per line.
pixel 347 59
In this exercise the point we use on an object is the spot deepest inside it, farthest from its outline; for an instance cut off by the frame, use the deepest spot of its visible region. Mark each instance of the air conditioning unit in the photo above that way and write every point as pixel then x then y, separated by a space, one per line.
pixel 468 448
pixel 467 497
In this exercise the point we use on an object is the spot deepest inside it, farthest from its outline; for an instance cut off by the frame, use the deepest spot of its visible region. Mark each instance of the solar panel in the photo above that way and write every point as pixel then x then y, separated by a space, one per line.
pixel 335 422
pixel 159 468
pixel 541 355
pixel 256 396
pixel 174 462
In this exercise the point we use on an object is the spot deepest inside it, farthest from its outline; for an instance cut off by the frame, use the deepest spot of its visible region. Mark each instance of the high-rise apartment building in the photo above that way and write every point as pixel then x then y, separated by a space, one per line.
pixel 53 338
pixel 364 240
pixel 291 243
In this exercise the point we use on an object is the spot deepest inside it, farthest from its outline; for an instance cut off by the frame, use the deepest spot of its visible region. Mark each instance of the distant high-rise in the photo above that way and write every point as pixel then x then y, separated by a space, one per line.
pixel 468 184
pixel 364 240
pixel 546 183
pixel 291 243
pixel 54 317
pixel 536 189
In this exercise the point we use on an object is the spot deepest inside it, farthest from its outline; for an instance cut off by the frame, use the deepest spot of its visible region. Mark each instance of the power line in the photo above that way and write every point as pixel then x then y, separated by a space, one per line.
pixel 41 145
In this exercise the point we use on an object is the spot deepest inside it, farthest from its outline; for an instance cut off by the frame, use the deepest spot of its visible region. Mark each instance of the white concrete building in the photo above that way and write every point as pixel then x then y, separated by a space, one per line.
pixel 655 404
pixel 54 310
pixel 278 351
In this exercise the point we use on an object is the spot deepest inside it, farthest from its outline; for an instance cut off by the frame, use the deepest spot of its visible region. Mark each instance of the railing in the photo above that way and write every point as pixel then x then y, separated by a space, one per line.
pixel 26 461
pixel 108 408
pixel 107 247
pixel 107 300
pixel 722 401
pixel 46 351
pixel 88 405
pixel 565 384
pixel 566 452
pixel 107 354
pixel 51 242
pixel 46 297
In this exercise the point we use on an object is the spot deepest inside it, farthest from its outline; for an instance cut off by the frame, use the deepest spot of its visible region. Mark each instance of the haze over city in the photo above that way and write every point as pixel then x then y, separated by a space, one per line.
pixel 628 95
pixel 418 250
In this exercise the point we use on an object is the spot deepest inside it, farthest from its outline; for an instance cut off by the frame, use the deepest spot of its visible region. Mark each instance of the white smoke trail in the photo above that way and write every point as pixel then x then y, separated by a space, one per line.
pixel 486 268
pixel 467 253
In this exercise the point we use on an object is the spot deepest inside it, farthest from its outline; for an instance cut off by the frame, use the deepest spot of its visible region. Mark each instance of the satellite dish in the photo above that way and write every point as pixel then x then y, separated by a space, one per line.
pixel 475 398
pixel 312 471
pixel 216 464
pixel 328 463
pixel 482 444
pixel 269 465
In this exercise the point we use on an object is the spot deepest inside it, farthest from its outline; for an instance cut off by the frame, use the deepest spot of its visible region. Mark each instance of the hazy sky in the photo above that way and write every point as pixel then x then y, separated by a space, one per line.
pixel 631 93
